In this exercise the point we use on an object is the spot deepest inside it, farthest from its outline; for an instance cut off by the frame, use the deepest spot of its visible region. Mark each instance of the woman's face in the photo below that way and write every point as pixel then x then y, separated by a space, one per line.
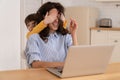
pixel 54 26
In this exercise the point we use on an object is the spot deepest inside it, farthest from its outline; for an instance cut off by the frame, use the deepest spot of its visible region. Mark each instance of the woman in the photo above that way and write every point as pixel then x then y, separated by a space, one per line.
pixel 49 47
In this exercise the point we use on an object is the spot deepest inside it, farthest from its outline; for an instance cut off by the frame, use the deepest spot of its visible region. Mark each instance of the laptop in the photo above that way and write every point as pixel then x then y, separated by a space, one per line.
pixel 84 60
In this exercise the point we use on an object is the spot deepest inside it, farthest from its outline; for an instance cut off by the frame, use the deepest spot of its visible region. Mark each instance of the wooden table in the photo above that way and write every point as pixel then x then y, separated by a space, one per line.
pixel 112 73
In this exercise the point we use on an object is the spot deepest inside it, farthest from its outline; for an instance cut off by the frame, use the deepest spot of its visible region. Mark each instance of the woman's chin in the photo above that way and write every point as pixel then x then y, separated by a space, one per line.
pixel 55 27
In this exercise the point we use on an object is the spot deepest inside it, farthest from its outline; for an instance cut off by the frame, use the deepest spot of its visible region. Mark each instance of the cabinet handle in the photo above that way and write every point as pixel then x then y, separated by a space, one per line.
pixel 98 30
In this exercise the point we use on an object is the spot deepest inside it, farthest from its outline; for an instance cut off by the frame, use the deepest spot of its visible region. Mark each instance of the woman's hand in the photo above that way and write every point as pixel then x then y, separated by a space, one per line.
pixel 73 26
pixel 62 17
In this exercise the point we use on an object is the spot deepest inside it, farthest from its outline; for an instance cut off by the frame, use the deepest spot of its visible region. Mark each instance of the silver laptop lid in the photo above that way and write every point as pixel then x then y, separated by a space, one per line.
pixel 86 60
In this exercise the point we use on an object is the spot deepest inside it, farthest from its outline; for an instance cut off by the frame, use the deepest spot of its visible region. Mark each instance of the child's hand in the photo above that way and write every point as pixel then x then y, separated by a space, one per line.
pixel 49 18
pixel 62 17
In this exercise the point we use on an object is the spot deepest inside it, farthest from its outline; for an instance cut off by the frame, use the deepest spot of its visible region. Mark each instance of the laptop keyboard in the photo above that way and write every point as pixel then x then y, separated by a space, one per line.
pixel 60 71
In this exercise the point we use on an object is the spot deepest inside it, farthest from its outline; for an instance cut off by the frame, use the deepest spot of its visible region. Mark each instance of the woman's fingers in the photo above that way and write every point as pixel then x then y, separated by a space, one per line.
pixel 62 17
pixel 72 22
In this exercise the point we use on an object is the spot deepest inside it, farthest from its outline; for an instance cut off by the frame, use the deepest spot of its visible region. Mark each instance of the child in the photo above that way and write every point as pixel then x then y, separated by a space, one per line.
pixel 31 23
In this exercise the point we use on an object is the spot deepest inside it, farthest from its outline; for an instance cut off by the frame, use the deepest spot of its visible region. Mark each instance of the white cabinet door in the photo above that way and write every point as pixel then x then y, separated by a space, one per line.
pixel 108 37
pixel 114 38
pixel 116 54
pixel 99 37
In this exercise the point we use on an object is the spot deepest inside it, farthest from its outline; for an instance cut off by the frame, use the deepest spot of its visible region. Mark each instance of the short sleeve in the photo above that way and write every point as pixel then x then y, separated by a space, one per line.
pixel 68 40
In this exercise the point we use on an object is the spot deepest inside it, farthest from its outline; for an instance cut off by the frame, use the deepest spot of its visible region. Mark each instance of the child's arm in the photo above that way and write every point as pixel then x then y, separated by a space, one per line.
pixel 48 19
pixel 37 28
pixel 64 21
pixel 65 24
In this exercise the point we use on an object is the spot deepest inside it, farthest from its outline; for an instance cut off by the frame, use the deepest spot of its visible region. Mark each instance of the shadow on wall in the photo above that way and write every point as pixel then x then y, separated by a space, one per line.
pixel 24 64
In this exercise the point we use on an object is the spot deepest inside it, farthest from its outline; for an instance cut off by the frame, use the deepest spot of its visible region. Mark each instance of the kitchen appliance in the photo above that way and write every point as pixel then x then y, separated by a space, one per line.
pixel 105 23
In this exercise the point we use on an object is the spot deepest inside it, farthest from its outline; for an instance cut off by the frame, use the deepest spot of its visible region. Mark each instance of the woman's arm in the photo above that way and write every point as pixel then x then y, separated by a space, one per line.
pixel 41 64
pixel 32 53
pixel 73 28
pixel 74 38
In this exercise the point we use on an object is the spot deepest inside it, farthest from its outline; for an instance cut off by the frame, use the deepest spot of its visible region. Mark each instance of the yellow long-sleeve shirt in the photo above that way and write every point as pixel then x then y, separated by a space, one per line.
pixel 38 28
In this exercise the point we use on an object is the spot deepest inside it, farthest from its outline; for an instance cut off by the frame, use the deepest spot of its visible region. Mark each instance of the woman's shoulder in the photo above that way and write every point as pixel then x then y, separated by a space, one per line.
pixel 34 36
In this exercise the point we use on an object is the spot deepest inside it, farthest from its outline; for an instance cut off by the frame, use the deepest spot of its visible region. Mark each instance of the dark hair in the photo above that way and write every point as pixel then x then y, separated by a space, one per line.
pixel 31 17
pixel 41 14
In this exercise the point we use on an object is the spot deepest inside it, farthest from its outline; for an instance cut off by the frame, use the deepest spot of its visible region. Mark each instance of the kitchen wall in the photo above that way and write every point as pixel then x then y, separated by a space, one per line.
pixel 9 34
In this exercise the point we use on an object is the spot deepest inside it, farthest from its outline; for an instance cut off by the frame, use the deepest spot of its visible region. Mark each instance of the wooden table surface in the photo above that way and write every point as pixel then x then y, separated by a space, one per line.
pixel 112 73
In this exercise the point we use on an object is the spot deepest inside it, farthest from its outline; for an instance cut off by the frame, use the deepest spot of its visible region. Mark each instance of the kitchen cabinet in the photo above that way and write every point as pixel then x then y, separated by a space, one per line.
pixel 85 18
pixel 107 36
pixel 99 37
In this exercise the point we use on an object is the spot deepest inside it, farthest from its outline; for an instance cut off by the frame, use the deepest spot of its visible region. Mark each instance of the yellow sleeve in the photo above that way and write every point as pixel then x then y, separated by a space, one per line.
pixel 65 24
pixel 40 27
pixel 37 29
